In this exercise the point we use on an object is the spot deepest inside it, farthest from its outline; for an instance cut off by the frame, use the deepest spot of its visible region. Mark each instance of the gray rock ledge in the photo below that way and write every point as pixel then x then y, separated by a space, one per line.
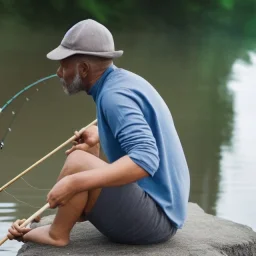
pixel 203 234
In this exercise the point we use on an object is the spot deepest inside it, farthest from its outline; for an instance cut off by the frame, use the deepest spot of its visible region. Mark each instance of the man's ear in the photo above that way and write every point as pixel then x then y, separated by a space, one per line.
pixel 83 69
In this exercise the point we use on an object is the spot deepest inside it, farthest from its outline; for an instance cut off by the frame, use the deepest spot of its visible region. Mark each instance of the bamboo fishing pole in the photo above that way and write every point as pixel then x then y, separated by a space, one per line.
pixel 29 220
pixel 47 156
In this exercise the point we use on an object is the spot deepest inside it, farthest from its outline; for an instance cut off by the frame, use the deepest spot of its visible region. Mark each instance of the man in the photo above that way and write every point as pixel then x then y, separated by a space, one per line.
pixel 141 195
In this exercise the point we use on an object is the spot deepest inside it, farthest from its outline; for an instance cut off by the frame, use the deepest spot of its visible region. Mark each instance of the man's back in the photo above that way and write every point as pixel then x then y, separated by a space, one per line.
pixel 134 120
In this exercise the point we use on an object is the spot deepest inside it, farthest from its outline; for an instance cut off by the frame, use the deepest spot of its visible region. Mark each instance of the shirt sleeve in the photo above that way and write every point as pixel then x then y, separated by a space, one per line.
pixel 130 128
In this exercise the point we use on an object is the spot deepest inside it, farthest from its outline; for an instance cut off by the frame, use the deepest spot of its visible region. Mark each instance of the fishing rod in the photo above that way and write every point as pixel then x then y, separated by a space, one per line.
pixel 70 140
pixel 14 114
pixel 46 206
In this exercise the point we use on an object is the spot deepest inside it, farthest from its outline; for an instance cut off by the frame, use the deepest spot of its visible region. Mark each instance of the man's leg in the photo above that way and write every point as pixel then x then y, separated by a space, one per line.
pixel 58 233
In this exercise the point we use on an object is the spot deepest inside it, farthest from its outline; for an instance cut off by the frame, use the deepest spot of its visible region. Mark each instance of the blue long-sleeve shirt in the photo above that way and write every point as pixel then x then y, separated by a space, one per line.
pixel 134 120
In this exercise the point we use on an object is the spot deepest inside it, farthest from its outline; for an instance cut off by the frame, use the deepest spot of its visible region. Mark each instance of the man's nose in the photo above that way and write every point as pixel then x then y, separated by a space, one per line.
pixel 59 73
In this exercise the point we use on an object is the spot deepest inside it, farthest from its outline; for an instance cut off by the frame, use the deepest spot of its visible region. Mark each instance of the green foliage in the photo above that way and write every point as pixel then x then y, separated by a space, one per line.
pixel 227 4
pixel 95 8
pixel 231 15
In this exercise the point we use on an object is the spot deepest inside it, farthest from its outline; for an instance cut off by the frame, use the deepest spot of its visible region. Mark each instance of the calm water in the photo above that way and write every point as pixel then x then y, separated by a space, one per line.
pixel 209 89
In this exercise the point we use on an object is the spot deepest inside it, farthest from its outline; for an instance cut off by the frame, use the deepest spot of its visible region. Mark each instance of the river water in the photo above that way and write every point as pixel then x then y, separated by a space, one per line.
pixel 207 80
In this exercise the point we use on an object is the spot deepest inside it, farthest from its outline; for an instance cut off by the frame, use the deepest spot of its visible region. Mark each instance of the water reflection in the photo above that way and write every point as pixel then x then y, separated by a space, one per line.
pixel 238 175
pixel 7 213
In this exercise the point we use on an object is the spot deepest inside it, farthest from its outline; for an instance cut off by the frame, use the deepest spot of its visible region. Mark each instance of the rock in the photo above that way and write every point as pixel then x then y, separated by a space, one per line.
pixel 203 234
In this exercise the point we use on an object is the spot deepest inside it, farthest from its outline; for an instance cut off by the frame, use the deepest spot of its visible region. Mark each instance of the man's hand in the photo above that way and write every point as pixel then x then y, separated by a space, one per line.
pixel 61 193
pixel 87 141
pixel 16 232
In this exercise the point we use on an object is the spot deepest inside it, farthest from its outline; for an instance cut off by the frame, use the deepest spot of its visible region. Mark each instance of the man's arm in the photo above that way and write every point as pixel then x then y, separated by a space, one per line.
pixel 130 128
pixel 121 172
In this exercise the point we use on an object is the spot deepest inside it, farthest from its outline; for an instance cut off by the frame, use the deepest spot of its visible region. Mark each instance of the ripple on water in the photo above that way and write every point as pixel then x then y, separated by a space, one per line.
pixel 7 216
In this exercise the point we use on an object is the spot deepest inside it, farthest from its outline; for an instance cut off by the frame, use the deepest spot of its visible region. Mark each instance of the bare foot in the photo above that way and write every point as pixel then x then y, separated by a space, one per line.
pixel 42 235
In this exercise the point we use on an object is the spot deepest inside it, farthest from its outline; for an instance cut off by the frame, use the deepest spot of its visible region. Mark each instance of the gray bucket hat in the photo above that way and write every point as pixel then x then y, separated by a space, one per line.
pixel 86 37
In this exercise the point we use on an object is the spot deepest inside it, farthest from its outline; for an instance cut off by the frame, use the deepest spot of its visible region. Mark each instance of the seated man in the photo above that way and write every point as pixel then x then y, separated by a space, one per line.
pixel 141 195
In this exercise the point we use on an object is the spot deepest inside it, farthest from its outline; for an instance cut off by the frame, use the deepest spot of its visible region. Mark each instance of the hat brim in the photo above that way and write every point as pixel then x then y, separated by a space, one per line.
pixel 62 52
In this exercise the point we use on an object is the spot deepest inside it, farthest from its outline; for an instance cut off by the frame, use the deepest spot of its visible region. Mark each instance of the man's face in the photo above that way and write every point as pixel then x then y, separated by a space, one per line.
pixel 70 77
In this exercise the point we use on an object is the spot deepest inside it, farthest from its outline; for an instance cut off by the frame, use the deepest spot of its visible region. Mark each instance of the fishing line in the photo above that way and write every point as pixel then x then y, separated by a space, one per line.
pixel 25 89
pixel 40 189
pixel 14 114
pixel 20 201
pixel 23 202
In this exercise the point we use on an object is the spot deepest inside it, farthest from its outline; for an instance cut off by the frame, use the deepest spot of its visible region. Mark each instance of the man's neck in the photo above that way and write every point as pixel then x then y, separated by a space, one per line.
pixel 95 77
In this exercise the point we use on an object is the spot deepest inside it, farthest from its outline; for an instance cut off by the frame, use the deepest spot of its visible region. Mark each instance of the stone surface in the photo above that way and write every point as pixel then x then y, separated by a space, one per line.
pixel 203 234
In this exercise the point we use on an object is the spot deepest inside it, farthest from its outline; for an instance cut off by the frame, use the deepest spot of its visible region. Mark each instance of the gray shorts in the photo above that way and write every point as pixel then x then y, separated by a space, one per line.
pixel 127 214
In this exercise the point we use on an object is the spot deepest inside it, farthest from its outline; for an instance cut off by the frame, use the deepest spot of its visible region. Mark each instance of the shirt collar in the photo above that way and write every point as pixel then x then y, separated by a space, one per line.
pixel 96 88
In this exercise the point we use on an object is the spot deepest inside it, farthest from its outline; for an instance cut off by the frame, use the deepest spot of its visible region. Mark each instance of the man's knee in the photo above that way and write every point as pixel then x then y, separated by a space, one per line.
pixel 76 161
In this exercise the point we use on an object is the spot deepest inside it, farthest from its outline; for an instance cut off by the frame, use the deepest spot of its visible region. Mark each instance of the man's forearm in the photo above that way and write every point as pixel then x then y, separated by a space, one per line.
pixel 121 172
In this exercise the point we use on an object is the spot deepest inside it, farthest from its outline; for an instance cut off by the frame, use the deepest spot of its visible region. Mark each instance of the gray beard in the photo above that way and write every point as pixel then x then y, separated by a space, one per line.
pixel 73 88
